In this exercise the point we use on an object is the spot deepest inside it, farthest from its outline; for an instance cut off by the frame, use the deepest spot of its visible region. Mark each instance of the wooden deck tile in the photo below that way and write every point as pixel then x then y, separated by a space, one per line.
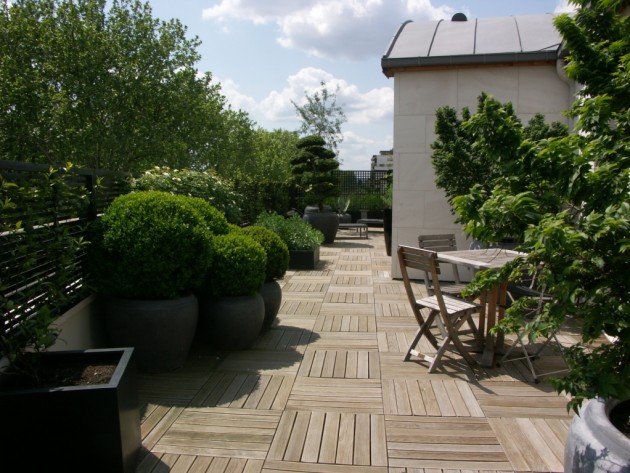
pixel 345 323
pixel 223 432
pixel 339 395
pixel 350 280
pixel 283 339
pixel 343 341
pixel 340 364
pixel 453 443
pixel 341 308
pixel 251 391
pixel 300 306
pixel 330 438
pixel 263 362
pixel 520 400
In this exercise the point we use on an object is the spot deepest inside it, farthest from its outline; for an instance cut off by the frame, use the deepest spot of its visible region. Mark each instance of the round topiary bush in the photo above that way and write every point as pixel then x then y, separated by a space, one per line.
pixel 216 222
pixel 150 245
pixel 276 250
pixel 238 266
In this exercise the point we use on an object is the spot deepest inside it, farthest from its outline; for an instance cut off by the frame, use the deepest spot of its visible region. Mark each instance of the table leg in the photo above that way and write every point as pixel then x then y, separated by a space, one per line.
pixel 487 359
pixel 481 326
pixel 501 314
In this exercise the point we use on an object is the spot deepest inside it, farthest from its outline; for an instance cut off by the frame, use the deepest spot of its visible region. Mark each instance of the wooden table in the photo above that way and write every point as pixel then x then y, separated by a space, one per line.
pixel 492 301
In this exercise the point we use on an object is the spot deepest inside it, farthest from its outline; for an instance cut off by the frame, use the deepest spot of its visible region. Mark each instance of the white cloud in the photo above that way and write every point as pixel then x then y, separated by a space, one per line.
pixel 352 29
pixel 363 109
pixel 563 6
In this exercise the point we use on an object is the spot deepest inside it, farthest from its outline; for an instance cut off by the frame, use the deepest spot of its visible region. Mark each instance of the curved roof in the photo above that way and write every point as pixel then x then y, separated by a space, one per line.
pixel 481 41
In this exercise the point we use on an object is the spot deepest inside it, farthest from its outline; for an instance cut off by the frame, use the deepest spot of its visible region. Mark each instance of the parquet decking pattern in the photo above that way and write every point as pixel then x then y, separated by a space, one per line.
pixel 326 390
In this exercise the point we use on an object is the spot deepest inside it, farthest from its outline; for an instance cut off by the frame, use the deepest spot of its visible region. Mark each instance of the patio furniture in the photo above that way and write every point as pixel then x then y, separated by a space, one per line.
pixel 492 302
pixel 444 242
pixel 448 312
pixel 531 348
pixel 361 228
pixel 372 222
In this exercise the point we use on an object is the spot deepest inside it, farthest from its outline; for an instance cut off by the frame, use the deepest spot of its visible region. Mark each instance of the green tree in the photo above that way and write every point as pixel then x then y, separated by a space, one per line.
pixel 322 116
pixel 312 166
pixel 480 160
pixel 107 88
pixel 581 252
pixel 273 152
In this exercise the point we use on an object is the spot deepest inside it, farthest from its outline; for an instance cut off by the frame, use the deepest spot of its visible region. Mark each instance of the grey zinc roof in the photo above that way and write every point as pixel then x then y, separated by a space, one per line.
pixel 479 41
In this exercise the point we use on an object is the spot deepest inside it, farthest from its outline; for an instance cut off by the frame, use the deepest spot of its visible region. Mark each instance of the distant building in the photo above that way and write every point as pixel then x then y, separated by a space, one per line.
pixel 383 161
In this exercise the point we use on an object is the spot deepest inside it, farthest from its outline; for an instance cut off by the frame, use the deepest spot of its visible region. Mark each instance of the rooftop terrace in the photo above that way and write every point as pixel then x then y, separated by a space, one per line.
pixel 326 390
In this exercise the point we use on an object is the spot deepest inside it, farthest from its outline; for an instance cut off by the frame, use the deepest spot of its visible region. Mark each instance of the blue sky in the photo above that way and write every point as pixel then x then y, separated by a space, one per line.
pixel 267 53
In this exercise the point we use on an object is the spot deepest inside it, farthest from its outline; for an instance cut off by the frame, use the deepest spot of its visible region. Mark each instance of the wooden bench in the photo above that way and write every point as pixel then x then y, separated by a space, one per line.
pixel 362 228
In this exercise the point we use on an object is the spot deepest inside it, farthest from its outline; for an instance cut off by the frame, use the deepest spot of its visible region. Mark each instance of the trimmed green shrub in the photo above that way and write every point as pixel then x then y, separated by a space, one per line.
pixel 238 266
pixel 276 250
pixel 206 185
pixel 150 245
pixel 216 223
pixel 295 232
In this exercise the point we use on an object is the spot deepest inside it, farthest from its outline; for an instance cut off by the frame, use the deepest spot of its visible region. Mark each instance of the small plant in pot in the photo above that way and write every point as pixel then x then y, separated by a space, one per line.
pixel 69 405
pixel 302 239
pixel 312 167
pixel 232 311
pixel 151 250
pixel 277 264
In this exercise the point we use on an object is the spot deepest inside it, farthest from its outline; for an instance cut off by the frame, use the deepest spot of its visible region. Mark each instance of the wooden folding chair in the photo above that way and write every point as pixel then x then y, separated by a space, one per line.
pixel 532 349
pixel 443 242
pixel 449 313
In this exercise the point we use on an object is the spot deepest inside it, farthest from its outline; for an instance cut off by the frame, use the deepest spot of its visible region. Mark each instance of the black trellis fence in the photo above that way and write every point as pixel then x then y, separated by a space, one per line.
pixel 44 213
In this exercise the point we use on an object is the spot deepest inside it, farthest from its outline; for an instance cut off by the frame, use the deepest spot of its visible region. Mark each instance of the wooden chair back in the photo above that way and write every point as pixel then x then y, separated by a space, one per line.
pixel 425 261
pixel 440 242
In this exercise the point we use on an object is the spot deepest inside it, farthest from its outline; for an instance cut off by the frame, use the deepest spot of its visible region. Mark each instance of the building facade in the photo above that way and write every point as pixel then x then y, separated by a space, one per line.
pixel 438 63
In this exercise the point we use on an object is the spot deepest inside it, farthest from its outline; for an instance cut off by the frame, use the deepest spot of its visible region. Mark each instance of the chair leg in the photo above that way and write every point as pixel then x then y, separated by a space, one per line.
pixel 423 330
pixel 453 338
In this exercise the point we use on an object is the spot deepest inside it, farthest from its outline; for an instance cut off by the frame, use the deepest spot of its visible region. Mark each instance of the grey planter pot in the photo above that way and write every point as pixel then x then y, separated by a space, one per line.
pixel 162 331
pixel 75 428
pixel 232 322
pixel 594 444
pixel 271 293
pixel 326 222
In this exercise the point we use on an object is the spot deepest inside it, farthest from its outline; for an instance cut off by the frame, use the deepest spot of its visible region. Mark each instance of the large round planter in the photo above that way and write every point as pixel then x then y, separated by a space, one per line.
pixel 594 444
pixel 162 331
pixel 271 293
pixel 232 322
pixel 326 222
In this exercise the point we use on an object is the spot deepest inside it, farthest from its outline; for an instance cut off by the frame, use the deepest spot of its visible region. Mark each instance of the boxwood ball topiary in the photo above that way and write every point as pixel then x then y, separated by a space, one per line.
pixel 238 266
pixel 216 222
pixel 150 245
pixel 276 250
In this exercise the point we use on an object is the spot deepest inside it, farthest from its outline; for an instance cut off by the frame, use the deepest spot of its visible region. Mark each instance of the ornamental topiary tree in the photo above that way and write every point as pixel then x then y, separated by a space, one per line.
pixel 312 168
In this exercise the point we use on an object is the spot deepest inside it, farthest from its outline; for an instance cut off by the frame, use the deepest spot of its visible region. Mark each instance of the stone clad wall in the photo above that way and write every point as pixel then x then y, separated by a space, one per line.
pixel 419 207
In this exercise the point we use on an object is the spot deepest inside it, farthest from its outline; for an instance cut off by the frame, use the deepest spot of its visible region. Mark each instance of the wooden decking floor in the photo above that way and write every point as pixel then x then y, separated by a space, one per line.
pixel 326 390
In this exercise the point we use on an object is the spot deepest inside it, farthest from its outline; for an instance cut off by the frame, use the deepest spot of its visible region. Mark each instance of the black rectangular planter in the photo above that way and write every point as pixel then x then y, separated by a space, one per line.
pixel 92 428
pixel 303 259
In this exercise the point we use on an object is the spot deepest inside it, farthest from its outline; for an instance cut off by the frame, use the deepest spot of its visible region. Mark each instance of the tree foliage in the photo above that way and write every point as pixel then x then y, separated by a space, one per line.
pixel 109 87
pixel 581 251
pixel 480 160
pixel 322 116
pixel 273 151
pixel 312 166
